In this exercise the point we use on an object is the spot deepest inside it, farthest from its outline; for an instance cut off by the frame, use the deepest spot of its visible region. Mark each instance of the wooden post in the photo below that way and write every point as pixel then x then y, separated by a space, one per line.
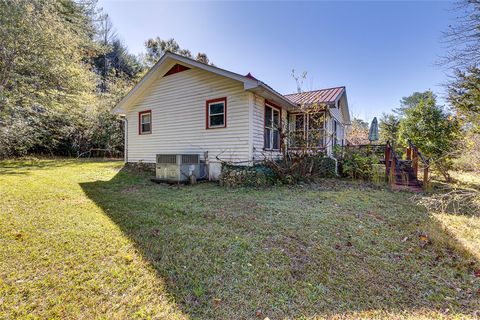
pixel 392 171
pixel 387 158
pixel 425 176
pixel 409 153
pixel 415 164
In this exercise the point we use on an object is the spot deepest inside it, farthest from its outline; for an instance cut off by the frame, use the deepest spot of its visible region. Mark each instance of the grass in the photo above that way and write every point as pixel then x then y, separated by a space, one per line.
pixel 92 240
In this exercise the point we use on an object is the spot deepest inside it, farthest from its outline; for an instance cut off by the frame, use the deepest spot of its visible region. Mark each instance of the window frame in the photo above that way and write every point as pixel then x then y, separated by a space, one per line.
pixel 140 116
pixel 307 127
pixel 208 103
pixel 272 128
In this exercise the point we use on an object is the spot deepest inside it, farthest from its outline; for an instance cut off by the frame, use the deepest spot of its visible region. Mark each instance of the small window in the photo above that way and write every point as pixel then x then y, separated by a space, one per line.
pixel 145 122
pixel 272 128
pixel 217 113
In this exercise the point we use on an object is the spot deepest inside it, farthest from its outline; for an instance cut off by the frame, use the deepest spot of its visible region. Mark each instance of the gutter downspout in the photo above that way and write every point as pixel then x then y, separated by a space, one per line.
pixel 125 139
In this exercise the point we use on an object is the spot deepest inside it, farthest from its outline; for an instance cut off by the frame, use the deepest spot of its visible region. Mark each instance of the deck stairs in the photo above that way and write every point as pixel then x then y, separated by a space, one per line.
pixel 403 174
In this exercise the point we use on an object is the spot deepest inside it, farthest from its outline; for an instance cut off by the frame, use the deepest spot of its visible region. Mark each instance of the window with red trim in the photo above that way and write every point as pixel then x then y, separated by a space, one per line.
pixel 145 122
pixel 216 111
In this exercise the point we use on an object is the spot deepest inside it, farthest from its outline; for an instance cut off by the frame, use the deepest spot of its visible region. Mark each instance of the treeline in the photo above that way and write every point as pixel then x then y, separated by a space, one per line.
pixel 62 69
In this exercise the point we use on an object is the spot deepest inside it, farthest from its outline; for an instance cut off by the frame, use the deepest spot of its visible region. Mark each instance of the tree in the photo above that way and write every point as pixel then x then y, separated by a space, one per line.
pixel 358 132
pixel 462 37
pixel 202 57
pixel 433 131
pixel 113 59
pixel 412 101
pixel 464 96
pixel 156 48
pixel 49 102
pixel 389 126
pixel 463 58
pixel 43 80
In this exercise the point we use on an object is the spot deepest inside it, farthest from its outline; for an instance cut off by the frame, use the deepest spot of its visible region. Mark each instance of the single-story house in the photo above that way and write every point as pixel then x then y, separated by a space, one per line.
pixel 182 106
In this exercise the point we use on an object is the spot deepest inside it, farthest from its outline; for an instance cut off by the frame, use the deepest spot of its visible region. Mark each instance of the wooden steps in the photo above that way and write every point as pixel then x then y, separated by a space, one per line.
pixel 405 178
pixel 403 174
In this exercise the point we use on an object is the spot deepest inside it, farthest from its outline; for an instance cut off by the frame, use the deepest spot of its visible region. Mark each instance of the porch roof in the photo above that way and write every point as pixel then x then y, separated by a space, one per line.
pixel 323 96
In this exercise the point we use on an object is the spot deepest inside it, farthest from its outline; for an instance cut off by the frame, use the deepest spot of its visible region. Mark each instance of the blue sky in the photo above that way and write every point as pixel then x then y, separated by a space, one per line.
pixel 381 51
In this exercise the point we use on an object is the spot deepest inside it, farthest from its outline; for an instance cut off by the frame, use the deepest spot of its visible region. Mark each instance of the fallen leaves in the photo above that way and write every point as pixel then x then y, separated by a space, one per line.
pixel 259 314
pixel 424 239
pixel 216 301
pixel 19 236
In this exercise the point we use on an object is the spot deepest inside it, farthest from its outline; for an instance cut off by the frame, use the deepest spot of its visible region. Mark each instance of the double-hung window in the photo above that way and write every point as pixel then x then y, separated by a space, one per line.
pixel 145 122
pixel 272 128
pixel 216 113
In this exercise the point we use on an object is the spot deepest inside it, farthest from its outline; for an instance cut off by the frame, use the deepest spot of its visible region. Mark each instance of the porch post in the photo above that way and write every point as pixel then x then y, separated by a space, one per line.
pixel 409 153
pixel 415 164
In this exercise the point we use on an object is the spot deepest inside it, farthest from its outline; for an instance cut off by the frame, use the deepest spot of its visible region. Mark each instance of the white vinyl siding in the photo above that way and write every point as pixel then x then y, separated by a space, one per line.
pixel 338 115
pixel 258 122
pixel 178 104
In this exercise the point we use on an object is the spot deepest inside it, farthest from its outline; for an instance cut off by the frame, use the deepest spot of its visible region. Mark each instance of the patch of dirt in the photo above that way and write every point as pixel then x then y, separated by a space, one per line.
pixel 296 249
pixel 132 189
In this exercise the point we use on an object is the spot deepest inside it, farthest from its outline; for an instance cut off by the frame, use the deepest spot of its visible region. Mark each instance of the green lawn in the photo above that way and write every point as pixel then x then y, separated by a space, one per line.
pixel 92 240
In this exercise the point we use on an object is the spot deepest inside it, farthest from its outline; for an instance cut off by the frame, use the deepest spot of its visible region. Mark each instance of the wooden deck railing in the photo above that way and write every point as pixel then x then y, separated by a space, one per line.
pixel 415 155
pixel 391 161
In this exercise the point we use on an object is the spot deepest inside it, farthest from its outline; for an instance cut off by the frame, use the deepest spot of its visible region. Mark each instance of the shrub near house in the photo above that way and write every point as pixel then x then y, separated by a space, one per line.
pixel 270 172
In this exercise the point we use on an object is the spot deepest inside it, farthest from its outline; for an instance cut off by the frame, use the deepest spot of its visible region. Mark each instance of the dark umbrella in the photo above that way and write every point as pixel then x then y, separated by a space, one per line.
pixel 373 134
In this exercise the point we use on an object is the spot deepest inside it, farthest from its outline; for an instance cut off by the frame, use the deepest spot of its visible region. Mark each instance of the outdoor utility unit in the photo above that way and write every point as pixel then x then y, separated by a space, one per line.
pixel 179 167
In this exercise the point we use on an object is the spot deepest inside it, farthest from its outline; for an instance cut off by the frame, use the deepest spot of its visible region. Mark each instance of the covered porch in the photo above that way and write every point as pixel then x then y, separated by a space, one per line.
pixel 319 122
pixel 315 131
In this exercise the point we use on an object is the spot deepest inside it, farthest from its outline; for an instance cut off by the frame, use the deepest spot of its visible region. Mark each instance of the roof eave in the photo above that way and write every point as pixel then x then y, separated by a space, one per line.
pixel 247 82
pixel 279 96
pixel 268 93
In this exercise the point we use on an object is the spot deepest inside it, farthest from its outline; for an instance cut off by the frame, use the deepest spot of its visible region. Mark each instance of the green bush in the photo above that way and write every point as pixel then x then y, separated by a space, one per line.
pixel 325 167
pixel 360 164
pixel 245 176
pixel 303 167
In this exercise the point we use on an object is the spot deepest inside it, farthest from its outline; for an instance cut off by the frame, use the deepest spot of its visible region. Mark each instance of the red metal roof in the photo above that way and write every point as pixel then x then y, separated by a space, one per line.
pixel 326 96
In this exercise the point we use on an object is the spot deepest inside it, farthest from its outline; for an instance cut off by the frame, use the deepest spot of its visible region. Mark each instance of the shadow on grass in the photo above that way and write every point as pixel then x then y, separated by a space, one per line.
pixel 25 166
pixel 291 252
